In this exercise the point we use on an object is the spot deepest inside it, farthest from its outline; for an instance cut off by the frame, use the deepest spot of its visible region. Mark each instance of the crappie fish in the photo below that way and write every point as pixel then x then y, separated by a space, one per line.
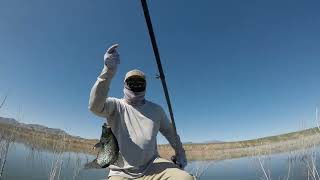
pixel 108 150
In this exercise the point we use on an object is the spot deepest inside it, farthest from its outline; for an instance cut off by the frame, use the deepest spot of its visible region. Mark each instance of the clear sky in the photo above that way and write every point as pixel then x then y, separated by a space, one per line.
pixel 235 69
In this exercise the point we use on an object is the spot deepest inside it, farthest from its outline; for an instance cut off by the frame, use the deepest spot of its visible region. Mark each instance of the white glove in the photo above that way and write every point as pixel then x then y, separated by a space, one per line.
pixel 111 61
pixel 111 57
pixel 180 159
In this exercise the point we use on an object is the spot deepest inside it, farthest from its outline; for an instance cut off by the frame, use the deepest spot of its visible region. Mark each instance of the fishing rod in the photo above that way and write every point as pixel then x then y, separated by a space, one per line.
pixel 157 56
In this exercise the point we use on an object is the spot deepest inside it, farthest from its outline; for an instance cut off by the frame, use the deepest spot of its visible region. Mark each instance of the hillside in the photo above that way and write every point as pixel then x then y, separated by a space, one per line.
pixel 38 136
pixel 33 127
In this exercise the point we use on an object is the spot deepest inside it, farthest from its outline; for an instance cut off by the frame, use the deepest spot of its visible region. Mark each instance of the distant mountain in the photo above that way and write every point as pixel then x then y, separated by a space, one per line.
pixel 8 121
pixel 36 127
pixel 213 141
pixel 187 142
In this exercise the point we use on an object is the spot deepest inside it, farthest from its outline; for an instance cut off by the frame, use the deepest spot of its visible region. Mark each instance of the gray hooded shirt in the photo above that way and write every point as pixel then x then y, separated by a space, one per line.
pixel 135 127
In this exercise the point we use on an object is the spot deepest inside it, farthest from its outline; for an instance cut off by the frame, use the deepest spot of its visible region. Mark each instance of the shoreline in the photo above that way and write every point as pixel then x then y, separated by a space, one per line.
pixel 204 151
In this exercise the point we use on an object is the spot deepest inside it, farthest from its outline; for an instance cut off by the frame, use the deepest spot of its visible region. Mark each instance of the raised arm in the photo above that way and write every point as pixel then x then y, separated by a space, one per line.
pixel 99 103
pixel 167 131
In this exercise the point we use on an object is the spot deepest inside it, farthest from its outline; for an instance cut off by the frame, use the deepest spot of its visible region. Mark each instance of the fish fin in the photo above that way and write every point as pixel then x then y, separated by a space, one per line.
pixel 98 145
pixel 92 165
pixel 105 166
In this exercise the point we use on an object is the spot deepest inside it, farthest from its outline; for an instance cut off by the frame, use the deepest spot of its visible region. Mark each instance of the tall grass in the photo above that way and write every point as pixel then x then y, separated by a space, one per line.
pixel 5 144
pixel 57 162
pixel 77 166
pixel 56 166
pixel 307 156
pixel 3 101
pixel 199 167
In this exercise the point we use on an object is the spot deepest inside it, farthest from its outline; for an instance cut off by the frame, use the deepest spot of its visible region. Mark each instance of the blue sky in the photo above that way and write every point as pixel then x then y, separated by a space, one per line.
pixel 235 69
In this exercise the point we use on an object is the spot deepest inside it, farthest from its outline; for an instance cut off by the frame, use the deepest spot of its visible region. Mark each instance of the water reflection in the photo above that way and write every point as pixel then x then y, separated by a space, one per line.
pixel 25 161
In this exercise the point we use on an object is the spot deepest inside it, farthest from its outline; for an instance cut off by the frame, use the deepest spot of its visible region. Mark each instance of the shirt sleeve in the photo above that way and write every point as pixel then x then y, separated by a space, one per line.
pixel 166 129
pixel 99 102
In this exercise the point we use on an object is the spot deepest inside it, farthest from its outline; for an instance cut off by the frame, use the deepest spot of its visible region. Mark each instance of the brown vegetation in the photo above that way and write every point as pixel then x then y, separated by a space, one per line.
pixel 213 151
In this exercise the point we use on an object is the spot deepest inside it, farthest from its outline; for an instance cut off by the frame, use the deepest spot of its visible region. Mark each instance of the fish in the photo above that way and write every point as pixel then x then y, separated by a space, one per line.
pixel 108 150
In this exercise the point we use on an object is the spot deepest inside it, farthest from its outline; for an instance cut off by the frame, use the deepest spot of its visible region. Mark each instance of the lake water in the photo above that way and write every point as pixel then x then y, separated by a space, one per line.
pixel 25 163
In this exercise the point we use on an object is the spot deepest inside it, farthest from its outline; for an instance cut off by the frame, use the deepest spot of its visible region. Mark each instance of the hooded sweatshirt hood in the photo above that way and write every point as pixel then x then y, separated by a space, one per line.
pixel 131 97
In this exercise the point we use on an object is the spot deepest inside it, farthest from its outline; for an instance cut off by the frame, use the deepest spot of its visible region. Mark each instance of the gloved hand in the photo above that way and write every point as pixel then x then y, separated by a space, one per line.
pixel 111 57
pixel 111 61
pixel 180 159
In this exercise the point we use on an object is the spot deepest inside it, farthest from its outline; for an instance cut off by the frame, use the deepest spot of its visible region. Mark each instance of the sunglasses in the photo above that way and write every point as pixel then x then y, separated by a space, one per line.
pixel 135 80
pixel 136 83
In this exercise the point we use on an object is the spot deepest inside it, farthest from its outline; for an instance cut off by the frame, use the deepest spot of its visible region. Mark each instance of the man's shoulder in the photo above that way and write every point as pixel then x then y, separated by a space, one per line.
pixel 113 99
pixel 154 105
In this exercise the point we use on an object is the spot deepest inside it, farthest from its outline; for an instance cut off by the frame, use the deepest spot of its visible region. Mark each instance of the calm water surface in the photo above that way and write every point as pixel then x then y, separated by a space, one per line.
pixel 25 163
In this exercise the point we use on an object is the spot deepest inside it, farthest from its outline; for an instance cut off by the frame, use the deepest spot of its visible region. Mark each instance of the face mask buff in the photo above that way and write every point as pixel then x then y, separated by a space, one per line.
pixel 134 98
pixel 134 87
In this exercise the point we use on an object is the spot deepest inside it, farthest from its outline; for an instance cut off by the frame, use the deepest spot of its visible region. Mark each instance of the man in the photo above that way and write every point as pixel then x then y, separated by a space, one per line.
pixel 135 123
